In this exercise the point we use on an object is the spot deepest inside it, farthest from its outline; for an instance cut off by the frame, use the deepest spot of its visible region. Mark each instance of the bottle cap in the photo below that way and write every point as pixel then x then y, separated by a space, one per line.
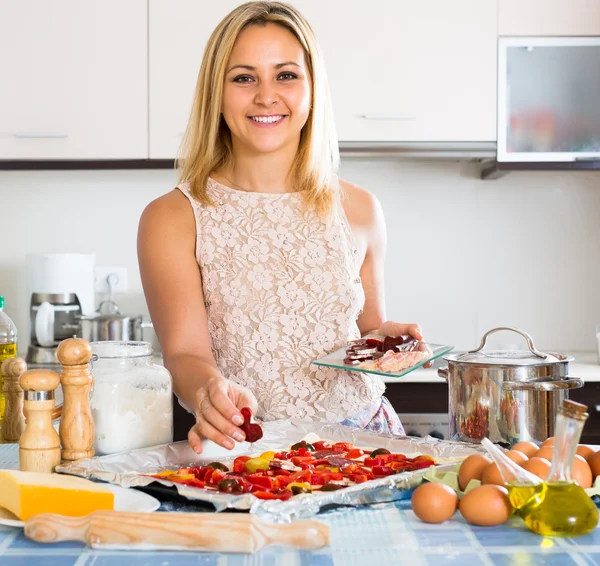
pixel 1 301
pixel 574 410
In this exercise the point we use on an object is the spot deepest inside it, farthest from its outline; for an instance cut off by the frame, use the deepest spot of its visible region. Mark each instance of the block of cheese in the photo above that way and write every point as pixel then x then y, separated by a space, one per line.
pixel 26 494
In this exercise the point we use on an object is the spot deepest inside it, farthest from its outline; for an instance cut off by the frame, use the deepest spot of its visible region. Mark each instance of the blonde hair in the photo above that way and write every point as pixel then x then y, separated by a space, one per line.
pixel 206 145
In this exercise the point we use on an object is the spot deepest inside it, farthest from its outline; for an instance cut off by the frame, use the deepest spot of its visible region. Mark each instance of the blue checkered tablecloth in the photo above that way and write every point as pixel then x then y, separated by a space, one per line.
pixel 383 534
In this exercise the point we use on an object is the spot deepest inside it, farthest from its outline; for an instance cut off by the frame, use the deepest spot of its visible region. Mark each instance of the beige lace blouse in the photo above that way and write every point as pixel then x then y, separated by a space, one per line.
pixel 282 288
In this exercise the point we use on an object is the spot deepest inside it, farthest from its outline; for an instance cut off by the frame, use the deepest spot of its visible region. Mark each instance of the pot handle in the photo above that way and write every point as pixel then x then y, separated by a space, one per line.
pixel 571 383
pixel 443 373
pixel 527 337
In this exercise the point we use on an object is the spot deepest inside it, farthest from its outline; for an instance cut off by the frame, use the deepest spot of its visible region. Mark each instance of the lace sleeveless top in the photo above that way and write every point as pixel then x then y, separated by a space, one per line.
pixel 282 289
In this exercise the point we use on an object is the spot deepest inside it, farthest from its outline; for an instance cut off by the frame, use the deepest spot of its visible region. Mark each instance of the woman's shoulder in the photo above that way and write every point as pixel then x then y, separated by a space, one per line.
pixel 170 209
pixel 361 206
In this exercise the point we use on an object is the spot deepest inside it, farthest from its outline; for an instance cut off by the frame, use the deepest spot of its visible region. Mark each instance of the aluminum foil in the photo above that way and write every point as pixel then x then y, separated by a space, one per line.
pixel 124 469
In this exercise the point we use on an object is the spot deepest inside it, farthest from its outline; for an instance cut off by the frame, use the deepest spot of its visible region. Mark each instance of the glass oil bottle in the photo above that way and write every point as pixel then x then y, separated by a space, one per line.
pixel 8 348
pixel 557 506
pixel 565 509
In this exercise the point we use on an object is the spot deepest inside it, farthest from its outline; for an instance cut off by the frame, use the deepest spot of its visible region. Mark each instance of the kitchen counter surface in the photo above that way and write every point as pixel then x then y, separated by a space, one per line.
pixel 585 365
pixel 381 534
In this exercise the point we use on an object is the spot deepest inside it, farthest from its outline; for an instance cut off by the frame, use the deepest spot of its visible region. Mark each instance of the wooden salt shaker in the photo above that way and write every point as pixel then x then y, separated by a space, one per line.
pixel 76 423
pixel 39 445
pixel 14 420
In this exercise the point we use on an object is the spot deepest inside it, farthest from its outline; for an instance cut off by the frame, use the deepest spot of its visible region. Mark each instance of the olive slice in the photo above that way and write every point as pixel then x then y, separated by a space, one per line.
pixel 218 466
pixel 331 487
pixel 296 489
pixel 303 444
pixel 379 452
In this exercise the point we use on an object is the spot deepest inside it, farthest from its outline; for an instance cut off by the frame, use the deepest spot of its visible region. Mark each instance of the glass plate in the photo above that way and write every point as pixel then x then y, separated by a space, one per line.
pixel 336 359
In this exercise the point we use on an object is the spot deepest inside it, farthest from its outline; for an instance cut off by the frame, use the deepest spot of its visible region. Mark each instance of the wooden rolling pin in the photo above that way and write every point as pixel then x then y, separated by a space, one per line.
pixel 211 532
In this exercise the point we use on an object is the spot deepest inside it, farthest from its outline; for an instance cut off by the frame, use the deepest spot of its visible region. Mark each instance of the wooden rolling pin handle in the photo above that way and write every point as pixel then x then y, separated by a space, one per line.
pixel 176 531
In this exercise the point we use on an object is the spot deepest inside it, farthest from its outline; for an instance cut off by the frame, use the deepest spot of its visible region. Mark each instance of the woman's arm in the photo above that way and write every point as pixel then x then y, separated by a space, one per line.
pixel 173 289
pixel 366 218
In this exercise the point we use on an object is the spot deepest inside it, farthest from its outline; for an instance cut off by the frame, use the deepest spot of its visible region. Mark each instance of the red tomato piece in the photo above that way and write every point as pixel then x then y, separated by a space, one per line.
pixel 299 460
pixel 321 445
pixel 282 494
pixel 359 478
pixel 382 471
pixel 345 446
pixel 282 456
pixel 354 453
pixel 239 464
pixel 370 462
pixel 263 481
pixel 216 477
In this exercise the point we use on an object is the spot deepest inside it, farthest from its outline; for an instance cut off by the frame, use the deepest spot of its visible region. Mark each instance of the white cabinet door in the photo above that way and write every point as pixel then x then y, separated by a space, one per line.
pixel 549 17
pixel 401 70
pixel 405 71
pixel 74 79
pixel 179 30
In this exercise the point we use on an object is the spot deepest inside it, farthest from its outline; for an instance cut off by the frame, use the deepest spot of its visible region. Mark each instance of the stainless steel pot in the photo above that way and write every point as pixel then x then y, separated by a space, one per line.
pixel 109 324
pixel 506 396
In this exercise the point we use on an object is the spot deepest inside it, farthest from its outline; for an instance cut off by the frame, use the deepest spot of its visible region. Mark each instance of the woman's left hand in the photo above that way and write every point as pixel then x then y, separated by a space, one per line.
pixel 391 328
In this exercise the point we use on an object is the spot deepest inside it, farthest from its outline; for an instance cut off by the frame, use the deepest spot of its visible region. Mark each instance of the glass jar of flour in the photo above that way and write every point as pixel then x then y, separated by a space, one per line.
pixel 131 399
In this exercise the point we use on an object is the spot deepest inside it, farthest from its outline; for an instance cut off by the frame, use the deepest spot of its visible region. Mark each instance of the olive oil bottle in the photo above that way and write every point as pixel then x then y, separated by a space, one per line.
pixel 559 506
pixel 8 348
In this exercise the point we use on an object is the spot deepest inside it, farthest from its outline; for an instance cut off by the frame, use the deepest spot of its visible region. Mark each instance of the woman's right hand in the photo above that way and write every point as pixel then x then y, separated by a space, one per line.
pixel 218 413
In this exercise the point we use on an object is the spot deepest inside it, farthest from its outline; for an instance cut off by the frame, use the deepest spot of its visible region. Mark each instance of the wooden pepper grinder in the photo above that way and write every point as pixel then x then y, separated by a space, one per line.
pixel 14 420
pixel 76 423
pixel 39 445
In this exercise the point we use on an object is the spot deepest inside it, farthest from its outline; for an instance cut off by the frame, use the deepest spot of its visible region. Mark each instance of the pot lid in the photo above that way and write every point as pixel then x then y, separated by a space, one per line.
pixel 531 357
pixel 108 310
pixel 508 357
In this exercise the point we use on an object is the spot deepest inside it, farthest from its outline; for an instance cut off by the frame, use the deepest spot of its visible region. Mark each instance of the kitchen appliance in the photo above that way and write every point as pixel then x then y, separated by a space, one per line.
pixel 109 324
pixel 61 286
pixel 506 396
pixel 425 424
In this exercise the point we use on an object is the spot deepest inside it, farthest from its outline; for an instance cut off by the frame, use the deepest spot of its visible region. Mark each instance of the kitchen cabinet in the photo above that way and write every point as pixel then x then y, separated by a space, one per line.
pixel 407 71
pixel 178 33
pixel 75 80
pixel 548 17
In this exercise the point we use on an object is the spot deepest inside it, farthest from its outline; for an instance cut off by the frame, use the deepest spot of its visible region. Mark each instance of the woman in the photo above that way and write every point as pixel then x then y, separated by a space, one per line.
pixel 262 260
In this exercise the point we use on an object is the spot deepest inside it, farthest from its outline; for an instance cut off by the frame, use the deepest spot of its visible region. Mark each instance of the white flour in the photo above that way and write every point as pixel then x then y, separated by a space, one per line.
pixel 128 417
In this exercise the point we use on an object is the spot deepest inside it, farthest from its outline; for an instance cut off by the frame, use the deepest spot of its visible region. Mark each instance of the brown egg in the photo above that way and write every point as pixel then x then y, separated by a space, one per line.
pixel 594 463
pixel 472 469
pixel 581 472
pixel 516 456
pixel 528 448
pixel 539 467
pixel 545 452
pixel 487 505
pixel 491 475
pixel 585 452
pixel 548 442
pixel 434 502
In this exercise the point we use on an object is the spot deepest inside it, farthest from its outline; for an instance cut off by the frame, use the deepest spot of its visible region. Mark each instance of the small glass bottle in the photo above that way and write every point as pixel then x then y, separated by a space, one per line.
pixel 565 509
pixel 8 348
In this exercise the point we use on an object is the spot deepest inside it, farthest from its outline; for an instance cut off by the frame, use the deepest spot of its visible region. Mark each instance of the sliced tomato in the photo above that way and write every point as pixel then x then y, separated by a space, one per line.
pixel 282 455
pixel 382 471
pixel 239 464
pixel 359 477
pixel 345 446
pixel 354 453
pixel 264 482
pixel 370 462
pixel 215 477
pixel 282 494
pixel 321 445
pixel 299 460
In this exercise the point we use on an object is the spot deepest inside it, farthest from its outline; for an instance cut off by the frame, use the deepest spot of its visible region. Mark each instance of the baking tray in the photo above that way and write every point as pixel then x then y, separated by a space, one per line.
pixel 124 469
pixel 336 359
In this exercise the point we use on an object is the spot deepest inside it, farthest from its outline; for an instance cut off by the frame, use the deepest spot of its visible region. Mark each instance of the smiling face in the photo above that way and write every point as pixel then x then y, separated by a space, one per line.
pixel 267 90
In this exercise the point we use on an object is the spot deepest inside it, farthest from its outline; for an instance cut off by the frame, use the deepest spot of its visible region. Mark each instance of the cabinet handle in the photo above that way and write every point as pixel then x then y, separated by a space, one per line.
pixel 41 135
pixel 384 116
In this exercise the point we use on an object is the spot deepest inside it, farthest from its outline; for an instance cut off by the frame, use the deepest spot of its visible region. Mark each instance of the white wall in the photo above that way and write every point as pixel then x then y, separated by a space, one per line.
pixel 464 255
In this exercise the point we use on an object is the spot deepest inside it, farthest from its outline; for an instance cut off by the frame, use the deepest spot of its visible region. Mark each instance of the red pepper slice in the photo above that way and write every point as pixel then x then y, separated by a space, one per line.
pixel 281 494
pixel 321 445
pixel 382 471
pixel 354 453
pixel 345 446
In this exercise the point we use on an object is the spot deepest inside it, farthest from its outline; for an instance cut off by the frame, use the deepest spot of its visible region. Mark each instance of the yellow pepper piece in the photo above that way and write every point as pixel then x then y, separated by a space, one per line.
pixel 299 487
pixel 255 464
pixel 182 476
pixel 166 473
pixel 268 455
pixel 330 468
